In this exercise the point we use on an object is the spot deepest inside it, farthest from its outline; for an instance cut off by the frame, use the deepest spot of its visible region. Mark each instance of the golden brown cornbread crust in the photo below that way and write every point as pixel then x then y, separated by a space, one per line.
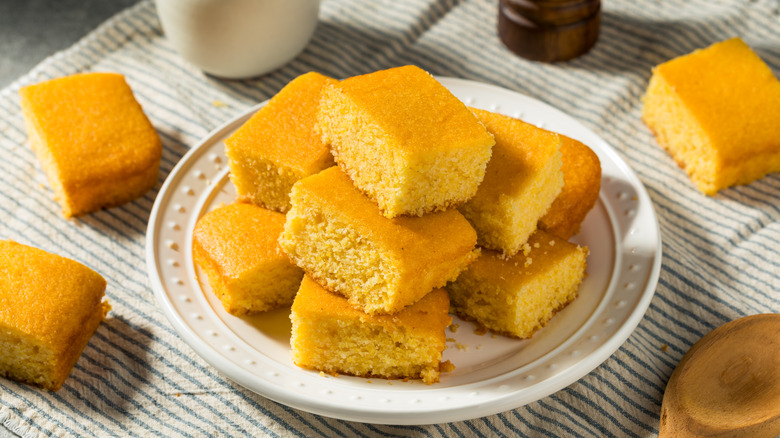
pixel 716 112
pixel 517 296
pixel 522 180
pixel 339 237
pixel 330 335
pixel 279 145
pixel 404 140
pixel 49 308
pixel 581 184
pixel 236 245
pixel 93 140
pixel 78 342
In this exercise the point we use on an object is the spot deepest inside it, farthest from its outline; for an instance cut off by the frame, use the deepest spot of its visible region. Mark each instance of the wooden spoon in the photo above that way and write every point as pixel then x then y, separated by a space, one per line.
pixel 728 384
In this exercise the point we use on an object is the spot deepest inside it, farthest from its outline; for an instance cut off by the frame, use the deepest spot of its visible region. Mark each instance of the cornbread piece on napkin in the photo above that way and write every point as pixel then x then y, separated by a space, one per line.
pixel 93 140
pixel 522 180
pixel 278 146
pixel 404 140
pixel 339 237
pixel 49 308
pixel 236 246
pixel 581 184
pixel 518 296
pixel 331 336
pixel 717 112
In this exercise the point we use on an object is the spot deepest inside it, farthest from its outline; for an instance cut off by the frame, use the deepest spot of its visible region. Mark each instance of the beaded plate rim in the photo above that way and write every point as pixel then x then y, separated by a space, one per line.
pixel 503 375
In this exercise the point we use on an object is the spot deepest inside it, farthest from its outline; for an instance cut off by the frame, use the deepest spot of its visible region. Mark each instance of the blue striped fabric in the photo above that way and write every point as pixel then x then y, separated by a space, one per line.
pixel 137 378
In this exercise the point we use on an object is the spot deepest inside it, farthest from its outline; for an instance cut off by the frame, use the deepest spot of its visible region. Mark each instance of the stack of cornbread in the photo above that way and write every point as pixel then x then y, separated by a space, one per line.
pixel 415 220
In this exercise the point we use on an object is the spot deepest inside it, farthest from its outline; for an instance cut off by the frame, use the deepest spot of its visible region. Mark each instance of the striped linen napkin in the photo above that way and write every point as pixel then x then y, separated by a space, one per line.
pixel 138 378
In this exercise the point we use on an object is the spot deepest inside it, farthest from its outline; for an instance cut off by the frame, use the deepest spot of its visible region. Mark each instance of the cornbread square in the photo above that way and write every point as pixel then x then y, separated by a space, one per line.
pixel 236 246
pixel 520 295
pixel 278 146
pixel 404 140
pixel 717 112
pixel 93 140
pixel 49 308
pixel 331 336
pixel 522 180
pixel 581 184
pixel 339 237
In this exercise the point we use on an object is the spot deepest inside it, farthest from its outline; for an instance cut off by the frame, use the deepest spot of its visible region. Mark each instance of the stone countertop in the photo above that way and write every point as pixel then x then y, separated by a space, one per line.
pixel 32 30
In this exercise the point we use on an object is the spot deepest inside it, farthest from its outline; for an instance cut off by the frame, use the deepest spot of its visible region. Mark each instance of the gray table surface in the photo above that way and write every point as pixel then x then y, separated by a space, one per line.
pixel 32 30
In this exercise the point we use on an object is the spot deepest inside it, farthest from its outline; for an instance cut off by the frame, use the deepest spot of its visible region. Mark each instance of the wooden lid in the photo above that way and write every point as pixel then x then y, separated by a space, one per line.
pixel 549 30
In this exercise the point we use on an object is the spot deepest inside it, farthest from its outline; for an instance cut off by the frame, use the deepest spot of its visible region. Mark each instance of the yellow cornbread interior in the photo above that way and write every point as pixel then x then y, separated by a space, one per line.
pixel 93 140
pixel 340 238
pixel 581 184
pixel 330 335
pixel 716 111
pixel 404 140
pixel 236 246
pixel 278 145
pixel 519 295
pixel 49 308
pixel 522 180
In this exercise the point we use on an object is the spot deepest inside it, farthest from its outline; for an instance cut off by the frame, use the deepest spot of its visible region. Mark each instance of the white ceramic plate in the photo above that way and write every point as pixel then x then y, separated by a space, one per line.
pixel 493 374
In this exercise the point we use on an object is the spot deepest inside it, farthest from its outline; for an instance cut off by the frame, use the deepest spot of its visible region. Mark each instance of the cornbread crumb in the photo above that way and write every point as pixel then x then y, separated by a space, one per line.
pixel 447 367
pixel 236 246
pixel 93 140
pixel 454 327
pixel 716 111
pixel 278 145
pixel 522 180
pixel 518 301
pixel 339 237
pixel 49 308
pixel 404 140
pixel 461 347
pixel 330 336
